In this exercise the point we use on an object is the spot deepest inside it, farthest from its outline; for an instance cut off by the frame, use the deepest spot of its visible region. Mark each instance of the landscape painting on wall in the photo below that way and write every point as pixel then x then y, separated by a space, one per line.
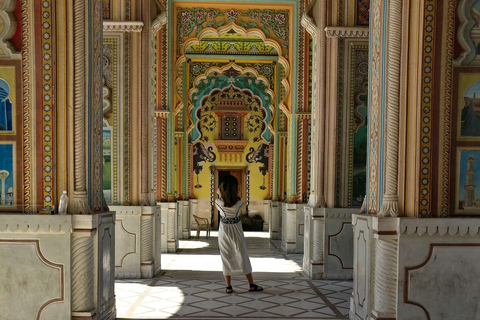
pixel 7 190
pixel 468 181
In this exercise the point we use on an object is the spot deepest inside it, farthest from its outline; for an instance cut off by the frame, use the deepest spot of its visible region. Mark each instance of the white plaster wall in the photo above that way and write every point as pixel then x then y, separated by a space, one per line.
pixel 35 266
pixel 127 244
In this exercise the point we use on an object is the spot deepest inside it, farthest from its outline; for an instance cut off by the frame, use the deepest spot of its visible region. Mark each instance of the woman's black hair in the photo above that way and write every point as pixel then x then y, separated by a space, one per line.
pixel 229 190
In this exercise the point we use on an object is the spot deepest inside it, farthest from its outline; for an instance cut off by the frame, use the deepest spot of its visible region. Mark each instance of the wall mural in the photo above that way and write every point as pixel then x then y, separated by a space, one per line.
pixel 359 124
pixel 470 111
pixel 363 12
pixel 201 153
pixel 262 38
pixel 7 194
pixel 235 81
pixel 468 185
pixel 267 20
pixel 6 115
pixel 261 155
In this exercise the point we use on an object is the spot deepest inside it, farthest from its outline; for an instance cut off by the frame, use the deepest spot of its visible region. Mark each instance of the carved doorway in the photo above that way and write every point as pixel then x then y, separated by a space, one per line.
pixel 221 171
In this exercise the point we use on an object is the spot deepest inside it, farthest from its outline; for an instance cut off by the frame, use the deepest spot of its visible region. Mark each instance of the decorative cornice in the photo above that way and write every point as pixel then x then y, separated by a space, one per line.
pixel 127 210
pixel 57 227
pixel 230 150
pixel 161 113
pixel 307 20
pixel 303 115
pixel 346 32
pixel 161 17
pixel 439 227
pixel 339 213
pixel 122 26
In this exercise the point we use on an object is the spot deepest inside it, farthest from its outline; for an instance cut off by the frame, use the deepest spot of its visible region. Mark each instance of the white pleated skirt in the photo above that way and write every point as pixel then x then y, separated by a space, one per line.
pixel 233 249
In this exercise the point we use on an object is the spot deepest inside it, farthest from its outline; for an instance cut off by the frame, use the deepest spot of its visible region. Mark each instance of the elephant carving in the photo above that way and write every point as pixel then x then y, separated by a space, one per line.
pixel 201 154
pixel 261 155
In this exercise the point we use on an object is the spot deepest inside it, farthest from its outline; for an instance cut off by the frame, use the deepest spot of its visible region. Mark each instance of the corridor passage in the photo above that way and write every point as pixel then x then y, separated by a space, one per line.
pixel 191 286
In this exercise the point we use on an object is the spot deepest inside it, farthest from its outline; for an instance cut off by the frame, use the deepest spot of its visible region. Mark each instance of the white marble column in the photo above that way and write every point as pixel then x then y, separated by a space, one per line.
pixel 79 198
pixel 172 235
pixel 83 266
pixel 313 242
pixel 275 220
pixel 183 219
pixel 394 25
pixel 266 214
pixel 315 22
pixel 385 268
pixel 146 244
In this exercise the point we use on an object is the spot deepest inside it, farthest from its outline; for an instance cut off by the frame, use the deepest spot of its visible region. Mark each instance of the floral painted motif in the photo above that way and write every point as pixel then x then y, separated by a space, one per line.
pixel 268 20
pixel 232 15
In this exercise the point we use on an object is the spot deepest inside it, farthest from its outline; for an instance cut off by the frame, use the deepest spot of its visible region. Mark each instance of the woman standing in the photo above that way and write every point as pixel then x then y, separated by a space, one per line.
pixel 231 241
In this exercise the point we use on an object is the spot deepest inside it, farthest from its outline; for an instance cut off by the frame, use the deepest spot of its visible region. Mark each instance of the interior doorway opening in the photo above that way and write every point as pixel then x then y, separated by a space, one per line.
pixel 219 172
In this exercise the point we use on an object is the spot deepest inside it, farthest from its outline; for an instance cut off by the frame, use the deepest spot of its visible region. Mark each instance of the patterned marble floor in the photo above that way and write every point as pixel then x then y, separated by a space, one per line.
pixel 191 286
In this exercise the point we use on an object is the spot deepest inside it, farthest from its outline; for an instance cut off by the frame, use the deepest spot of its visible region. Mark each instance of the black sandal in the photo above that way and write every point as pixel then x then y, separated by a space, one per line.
pixel 254 287
pixel 229 289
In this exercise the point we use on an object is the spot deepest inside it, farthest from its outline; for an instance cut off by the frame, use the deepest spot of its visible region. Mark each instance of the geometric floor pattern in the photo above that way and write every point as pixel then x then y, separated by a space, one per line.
pixel 191 286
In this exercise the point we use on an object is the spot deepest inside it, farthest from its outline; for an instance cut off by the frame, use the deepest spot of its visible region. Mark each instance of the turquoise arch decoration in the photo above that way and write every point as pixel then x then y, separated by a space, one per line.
pixel 208 84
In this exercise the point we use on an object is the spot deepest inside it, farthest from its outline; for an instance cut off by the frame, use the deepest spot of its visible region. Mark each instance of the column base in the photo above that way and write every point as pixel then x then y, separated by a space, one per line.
pixel 382 315
pixel 147 270
pixel 86 315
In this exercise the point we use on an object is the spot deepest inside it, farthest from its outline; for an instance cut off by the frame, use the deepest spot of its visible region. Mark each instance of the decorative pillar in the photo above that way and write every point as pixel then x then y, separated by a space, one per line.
pixel 385 269
pixel 83 267
pixel 390 197
pixel 266 214
pixel 183 219
pixel 172 238
pixel 79 198
pixel 313 264
pixel 275 220
pixel 317 194
pixel 146 244
pixel 289 219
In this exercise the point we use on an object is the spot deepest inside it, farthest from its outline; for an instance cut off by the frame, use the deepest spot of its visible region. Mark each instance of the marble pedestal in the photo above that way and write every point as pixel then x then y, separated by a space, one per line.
pixel 328 243
pixel 137 246
pixel 57 266
pixel 412 268
pixel 292 227
pixel 275 220
pixel 169 230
